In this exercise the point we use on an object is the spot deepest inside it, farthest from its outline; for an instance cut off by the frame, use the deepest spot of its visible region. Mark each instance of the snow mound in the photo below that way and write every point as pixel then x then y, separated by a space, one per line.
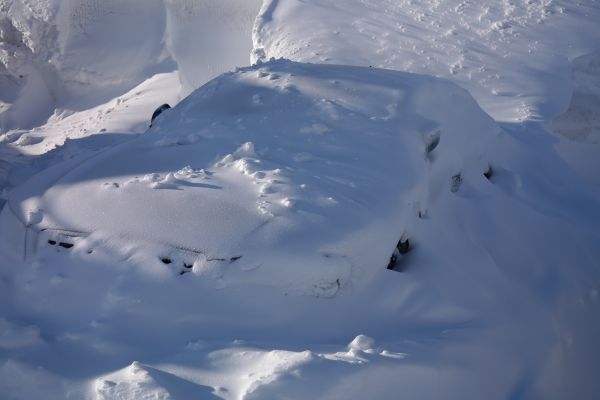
pixel 138 381
pixel 306 175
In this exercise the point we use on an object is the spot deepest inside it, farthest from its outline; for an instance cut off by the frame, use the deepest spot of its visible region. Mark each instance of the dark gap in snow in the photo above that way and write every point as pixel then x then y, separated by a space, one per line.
pixel 432 141
pixel 232 259
pixel 488 173
pixel 187 265
pixel 402 248
pixel 65 245
pixel 51 242
pixel 166 260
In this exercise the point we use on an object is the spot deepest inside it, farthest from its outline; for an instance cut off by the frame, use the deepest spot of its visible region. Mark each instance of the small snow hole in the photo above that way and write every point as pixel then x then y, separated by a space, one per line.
pixel 166 260
pixel 65 245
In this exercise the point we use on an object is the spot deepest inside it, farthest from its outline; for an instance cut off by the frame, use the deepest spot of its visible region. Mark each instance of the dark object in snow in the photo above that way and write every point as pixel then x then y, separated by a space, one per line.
pixel 188 266
pixel 158 111
pixel 166 260
pixel 51 242
pixel 488 173
pixel 402 248
pixel 65 245
pixel 393 260
pixel 456 182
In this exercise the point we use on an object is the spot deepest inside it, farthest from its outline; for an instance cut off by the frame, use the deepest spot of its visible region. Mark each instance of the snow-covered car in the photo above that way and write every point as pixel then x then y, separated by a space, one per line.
pixel 307 176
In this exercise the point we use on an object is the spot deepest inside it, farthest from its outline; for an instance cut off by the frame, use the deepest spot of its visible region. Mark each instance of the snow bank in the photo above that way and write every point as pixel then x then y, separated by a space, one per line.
pixel 61 54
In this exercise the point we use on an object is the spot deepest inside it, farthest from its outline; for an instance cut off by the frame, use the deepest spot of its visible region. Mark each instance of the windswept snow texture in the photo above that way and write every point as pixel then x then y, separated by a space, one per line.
pixel 513 56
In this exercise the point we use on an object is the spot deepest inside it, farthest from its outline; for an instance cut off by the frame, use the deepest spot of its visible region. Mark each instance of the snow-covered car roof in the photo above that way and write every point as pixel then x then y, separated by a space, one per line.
pixel 324 167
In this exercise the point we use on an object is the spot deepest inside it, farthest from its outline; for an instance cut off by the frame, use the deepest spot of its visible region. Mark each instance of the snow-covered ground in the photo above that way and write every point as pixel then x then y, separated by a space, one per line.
pixel 239 247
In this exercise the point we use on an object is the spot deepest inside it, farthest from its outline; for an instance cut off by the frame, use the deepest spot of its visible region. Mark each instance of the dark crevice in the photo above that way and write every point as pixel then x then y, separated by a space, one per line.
pixel 432 141
pixel 402 248
pixel 65 245
pixel 488 173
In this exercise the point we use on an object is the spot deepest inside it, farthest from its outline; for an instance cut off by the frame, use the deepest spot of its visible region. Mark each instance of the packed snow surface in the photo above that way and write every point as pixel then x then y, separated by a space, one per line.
pixel 239 248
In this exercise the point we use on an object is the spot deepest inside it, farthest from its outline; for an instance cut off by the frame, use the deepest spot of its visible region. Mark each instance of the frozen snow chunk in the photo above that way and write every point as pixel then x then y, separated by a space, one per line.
pixel 245 150
pixel 169 182
pixel 288 203
pixel 362 343
pixel 188 172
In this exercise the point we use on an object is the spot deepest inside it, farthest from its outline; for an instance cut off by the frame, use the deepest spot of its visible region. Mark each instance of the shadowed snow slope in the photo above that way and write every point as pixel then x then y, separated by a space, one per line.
pixel 267 205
